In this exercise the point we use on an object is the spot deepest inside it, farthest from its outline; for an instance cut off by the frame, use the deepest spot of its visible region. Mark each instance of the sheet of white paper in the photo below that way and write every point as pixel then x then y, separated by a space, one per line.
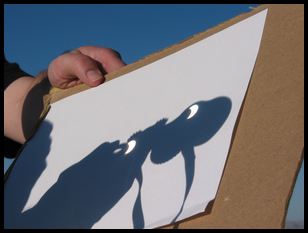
pixel 177 114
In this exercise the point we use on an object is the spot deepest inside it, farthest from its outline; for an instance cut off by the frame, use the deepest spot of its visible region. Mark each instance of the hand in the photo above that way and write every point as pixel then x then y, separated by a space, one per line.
pixel 87 64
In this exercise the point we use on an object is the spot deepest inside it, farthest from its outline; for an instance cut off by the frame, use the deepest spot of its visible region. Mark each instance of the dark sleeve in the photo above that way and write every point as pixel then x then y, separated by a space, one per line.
pixel 12 72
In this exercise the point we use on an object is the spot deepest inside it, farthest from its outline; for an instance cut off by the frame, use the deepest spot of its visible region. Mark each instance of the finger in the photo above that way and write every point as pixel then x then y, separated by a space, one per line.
pixel 68 69
pixel 109 58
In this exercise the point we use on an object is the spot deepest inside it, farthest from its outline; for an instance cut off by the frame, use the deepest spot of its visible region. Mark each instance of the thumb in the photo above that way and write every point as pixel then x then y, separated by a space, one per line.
pixel 74 68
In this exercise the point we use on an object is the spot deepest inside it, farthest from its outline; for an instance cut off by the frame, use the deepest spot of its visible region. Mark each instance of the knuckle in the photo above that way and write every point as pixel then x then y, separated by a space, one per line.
pixel 54 67
pixel 80 60
pixel 60 60
pixel 112 52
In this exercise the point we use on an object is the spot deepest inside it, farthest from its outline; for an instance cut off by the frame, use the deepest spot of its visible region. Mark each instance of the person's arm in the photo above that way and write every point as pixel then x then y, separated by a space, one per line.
pixel 87 65
pixel 14 98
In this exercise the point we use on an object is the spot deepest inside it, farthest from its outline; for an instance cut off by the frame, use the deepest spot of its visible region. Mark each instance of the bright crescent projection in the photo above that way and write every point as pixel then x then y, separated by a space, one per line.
pixel 193 110
pixel 131 146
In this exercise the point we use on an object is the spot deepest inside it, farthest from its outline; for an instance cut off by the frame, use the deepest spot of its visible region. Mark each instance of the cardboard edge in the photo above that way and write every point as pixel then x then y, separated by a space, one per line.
pixel 207 210
pixel 57 94
pixel 299 164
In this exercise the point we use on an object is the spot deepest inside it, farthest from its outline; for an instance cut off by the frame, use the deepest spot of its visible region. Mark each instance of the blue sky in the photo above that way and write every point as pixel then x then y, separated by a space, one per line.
pixel 36 34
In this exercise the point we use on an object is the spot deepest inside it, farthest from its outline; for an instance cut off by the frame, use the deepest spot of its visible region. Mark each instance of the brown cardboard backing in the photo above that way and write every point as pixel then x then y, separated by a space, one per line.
pixel 267 145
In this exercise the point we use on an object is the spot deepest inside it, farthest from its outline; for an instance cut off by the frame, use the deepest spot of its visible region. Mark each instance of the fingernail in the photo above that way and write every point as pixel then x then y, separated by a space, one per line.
pixel 94 75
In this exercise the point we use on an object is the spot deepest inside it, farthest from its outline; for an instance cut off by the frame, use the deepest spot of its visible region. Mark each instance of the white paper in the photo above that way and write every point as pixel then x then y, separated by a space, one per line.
pixel 180 112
